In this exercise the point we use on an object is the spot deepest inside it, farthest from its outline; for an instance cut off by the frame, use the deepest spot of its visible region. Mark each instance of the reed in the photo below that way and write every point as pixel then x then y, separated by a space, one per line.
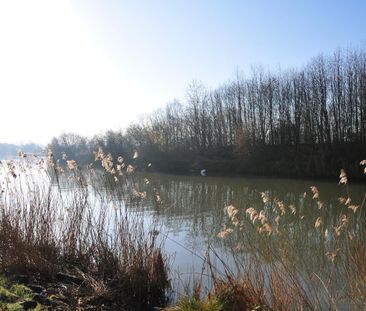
pixel 59 231
pixel 269 273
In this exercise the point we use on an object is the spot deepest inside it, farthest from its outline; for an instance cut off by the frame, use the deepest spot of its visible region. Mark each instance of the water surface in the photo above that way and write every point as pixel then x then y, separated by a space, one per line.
pixel 192 214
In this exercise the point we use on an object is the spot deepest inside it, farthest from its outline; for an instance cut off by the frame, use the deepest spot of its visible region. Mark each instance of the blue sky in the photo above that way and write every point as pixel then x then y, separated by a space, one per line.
pixel 208 40
pixel 88 66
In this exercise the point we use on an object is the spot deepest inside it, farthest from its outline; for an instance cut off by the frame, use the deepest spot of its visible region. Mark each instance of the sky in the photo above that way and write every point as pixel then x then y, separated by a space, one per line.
pixel 87 66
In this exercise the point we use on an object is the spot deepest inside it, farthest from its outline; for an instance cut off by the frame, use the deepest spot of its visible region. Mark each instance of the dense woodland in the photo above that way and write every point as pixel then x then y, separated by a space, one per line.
pixel 300 122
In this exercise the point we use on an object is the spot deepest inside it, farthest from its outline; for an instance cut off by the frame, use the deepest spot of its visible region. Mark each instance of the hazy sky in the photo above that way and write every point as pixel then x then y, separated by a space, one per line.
pixel 88 66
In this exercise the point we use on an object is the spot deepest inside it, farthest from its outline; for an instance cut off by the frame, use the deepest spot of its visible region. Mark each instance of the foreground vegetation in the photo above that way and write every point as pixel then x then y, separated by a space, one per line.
pixel 67 244
pixel 75 249
pixel 13 295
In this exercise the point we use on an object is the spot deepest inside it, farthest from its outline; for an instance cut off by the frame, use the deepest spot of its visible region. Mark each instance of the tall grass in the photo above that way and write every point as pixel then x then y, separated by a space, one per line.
pixel 66 225
pixel 268 272
pixel 56 227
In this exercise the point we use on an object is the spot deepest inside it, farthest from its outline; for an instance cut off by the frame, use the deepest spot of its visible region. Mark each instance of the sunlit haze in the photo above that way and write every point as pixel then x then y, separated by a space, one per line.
pixel 90 66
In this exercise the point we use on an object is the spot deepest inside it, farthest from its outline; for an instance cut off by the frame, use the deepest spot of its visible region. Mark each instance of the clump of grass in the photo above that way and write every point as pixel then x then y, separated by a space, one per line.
pixel 237 295
pixel 21 290
pixel 7 295
pixel 196 304
pixel 13 294
pixel 227 295
pixel 56 228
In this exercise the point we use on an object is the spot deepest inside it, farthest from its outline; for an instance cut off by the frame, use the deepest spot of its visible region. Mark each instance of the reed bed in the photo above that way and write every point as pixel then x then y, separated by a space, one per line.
pixel 65 229
pixel 83 247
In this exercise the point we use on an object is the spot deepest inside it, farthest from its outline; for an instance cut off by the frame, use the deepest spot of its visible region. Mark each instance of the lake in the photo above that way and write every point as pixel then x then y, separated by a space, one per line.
pixel 191 215
pixel 308 231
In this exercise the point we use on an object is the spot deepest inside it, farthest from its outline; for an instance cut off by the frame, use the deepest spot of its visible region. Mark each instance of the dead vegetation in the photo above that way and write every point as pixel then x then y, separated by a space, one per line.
pixel 77 242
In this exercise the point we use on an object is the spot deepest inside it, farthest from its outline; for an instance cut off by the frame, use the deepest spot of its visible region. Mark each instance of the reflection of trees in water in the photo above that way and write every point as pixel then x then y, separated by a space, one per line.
pixel 193 210
pixel 196 206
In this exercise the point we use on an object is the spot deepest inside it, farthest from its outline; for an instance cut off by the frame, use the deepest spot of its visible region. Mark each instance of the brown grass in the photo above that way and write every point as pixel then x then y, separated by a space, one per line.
pixel 54 223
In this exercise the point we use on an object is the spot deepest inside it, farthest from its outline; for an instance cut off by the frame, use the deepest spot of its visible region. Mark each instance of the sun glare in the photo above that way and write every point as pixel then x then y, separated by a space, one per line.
pixel 53 76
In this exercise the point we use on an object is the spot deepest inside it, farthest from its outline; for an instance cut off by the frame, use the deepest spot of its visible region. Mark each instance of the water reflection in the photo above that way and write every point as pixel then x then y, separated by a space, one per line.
pixel 192 212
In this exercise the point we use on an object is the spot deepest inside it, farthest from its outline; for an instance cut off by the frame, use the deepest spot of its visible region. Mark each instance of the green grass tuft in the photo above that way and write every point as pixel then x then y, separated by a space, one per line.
pixel 21 291
pixel 194 304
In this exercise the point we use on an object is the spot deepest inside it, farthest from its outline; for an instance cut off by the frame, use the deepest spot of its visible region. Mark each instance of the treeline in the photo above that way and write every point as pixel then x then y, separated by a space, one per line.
pixel 305 116
pixel 323 103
